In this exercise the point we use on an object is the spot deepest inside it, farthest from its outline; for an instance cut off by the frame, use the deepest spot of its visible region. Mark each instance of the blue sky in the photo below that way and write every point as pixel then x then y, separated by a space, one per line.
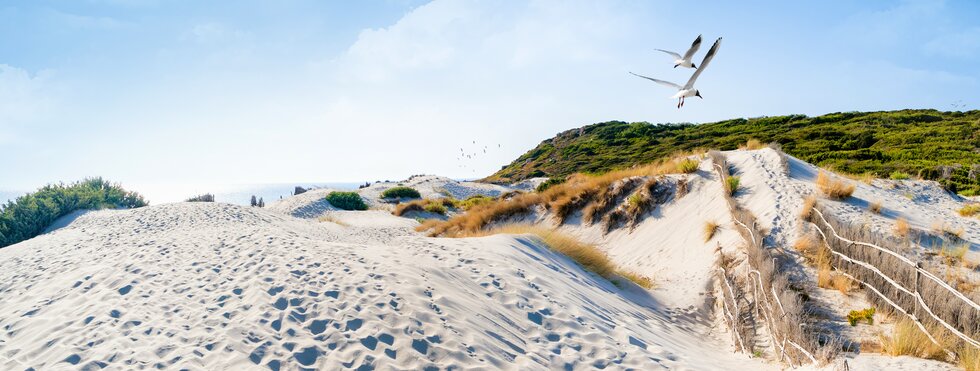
pixel 170 92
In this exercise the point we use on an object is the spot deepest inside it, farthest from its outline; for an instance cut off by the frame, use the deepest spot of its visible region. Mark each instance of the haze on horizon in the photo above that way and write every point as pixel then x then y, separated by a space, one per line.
pixel 146 91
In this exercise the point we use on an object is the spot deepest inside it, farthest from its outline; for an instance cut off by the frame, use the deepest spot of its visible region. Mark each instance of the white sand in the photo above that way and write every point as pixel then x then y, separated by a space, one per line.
pixel 216 286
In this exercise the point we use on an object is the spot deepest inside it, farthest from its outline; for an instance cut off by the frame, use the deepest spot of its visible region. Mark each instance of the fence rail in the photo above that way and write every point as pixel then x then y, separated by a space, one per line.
pixel 914 293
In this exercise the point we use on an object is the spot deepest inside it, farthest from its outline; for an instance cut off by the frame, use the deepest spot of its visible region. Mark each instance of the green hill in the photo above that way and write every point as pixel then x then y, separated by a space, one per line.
pixel 942 146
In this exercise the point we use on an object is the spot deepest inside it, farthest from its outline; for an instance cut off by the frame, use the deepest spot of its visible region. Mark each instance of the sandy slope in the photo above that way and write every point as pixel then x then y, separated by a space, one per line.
pixel 216 286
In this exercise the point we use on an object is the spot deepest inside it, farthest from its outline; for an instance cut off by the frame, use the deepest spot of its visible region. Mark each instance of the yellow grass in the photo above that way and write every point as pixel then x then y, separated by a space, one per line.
pixel 710 227
pixel 907 339
pixel 331 219
pixel 687 165
pixel 875 207
pixel 754 144
pixel 842 283
pixel 437 206
pixel 953 253
pixel 901 227
pixel 808 203
pixel 970 210
pixel 640 280
pixel 833 188
pixel 969 358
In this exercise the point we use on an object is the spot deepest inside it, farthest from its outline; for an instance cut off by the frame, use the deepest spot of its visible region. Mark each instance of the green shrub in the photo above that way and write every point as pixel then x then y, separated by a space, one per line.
pixel 435 207
pixel 856 315
pixel 548 183
pixel 346 200
pixel 474 200
pixel 732 184
pixel 898 175
pixel 28 215
pixel 400 192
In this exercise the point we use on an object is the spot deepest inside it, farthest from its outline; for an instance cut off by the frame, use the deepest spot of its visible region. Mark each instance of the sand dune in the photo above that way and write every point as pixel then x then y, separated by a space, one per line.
pixel 216 286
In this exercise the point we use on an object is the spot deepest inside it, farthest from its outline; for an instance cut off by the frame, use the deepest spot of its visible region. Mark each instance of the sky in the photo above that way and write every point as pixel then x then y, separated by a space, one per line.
pixel 177 92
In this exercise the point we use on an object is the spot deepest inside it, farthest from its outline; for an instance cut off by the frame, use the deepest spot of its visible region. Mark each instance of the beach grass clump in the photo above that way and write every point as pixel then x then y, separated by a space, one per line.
pixel 473 201
pixel 969 357
pixel 874 207
pixel 207 197
pixel 833 188
pixel 346 200
pixel 808 203
pixel 754 144
pixel 902 227
pixel 907 339
pixel 710 227
pixel 731 184
pixel 970 210
pixel 437 206
pixel 549 183
pixel 953 253
pixel 898 175
pixel 841 283
pixel 29 215
pixel 400 192
pixel 866 315
pixel 688 165
pixel 639 279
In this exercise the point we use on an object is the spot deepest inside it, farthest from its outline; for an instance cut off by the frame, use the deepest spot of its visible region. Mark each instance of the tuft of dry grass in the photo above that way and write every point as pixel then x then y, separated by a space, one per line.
pixel 710 227
pixel 754 144
pixel 875 207
pixel 640 280
pixel 437 206
pixel 833 188
pixel 842 283
pixel 808 203
pixel 331 219
pixel 969 358
pixel 908 339
pixel 901 228
pixel 953 253
pixel 970 210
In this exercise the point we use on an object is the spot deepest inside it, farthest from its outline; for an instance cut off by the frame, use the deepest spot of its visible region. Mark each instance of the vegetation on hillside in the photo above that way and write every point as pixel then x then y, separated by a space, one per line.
pixel 400 192
pixel 929 144
pixel 346 200
pixel 29 215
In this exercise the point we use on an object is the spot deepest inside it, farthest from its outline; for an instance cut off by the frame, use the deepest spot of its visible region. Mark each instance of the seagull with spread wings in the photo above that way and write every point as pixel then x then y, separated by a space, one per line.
pixel 688 89
pixel 685 61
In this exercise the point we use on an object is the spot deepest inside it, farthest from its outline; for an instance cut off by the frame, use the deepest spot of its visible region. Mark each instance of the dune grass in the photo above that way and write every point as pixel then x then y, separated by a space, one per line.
pixel 970 210
pixel 898 175
pixel 834 188
pixel 808 203
pixel 907 339
pixel 754 144
pixel 688 165
pixel 901 228
pixel 875 207
pixel 586 255
pixel 731 185
pixel 710 227
pixel 969 358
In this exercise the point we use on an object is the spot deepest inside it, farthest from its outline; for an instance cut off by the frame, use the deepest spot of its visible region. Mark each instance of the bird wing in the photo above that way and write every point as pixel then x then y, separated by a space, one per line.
pixel 661 82
pixel 675 55
pixel 694 48
pixel 704 64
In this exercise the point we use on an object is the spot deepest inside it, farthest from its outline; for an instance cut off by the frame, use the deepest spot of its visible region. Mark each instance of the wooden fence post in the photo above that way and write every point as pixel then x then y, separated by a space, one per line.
pixel 915 288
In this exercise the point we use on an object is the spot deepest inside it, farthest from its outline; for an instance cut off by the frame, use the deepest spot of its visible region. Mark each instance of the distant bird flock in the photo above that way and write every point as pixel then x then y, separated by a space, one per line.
pixel 688 89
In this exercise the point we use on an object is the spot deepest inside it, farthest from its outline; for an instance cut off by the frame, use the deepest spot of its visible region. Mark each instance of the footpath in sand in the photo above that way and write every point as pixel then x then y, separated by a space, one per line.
pixel 216 286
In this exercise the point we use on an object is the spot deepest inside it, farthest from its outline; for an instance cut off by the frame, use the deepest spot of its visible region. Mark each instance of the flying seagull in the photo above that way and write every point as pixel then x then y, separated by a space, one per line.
pixel 688 89
pixel 685 61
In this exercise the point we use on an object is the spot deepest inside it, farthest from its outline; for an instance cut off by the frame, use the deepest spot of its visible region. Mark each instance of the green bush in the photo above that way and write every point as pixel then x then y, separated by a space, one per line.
pixel 548 183
pixel 28 215
pixel 346 200
pixel 400 192
pixel 856 315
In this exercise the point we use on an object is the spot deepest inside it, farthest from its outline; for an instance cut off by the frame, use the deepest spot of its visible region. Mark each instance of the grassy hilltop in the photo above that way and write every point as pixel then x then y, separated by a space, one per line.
pixel 942 146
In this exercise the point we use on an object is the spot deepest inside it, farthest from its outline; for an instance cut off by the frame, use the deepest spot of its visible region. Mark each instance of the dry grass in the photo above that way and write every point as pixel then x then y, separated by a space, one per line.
pixel 586 255
pixel 953 253
pixel 833 188
pixel 808 203
pixel 687 165
pixel 842 283
pixel 710 227
pixel 969 358
pixel 940 227
pixel 875 207
pixel 437 206
pixel 908 339
pixel 902 228
pixel 754 144
pixel 331 219
pixel 970 210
